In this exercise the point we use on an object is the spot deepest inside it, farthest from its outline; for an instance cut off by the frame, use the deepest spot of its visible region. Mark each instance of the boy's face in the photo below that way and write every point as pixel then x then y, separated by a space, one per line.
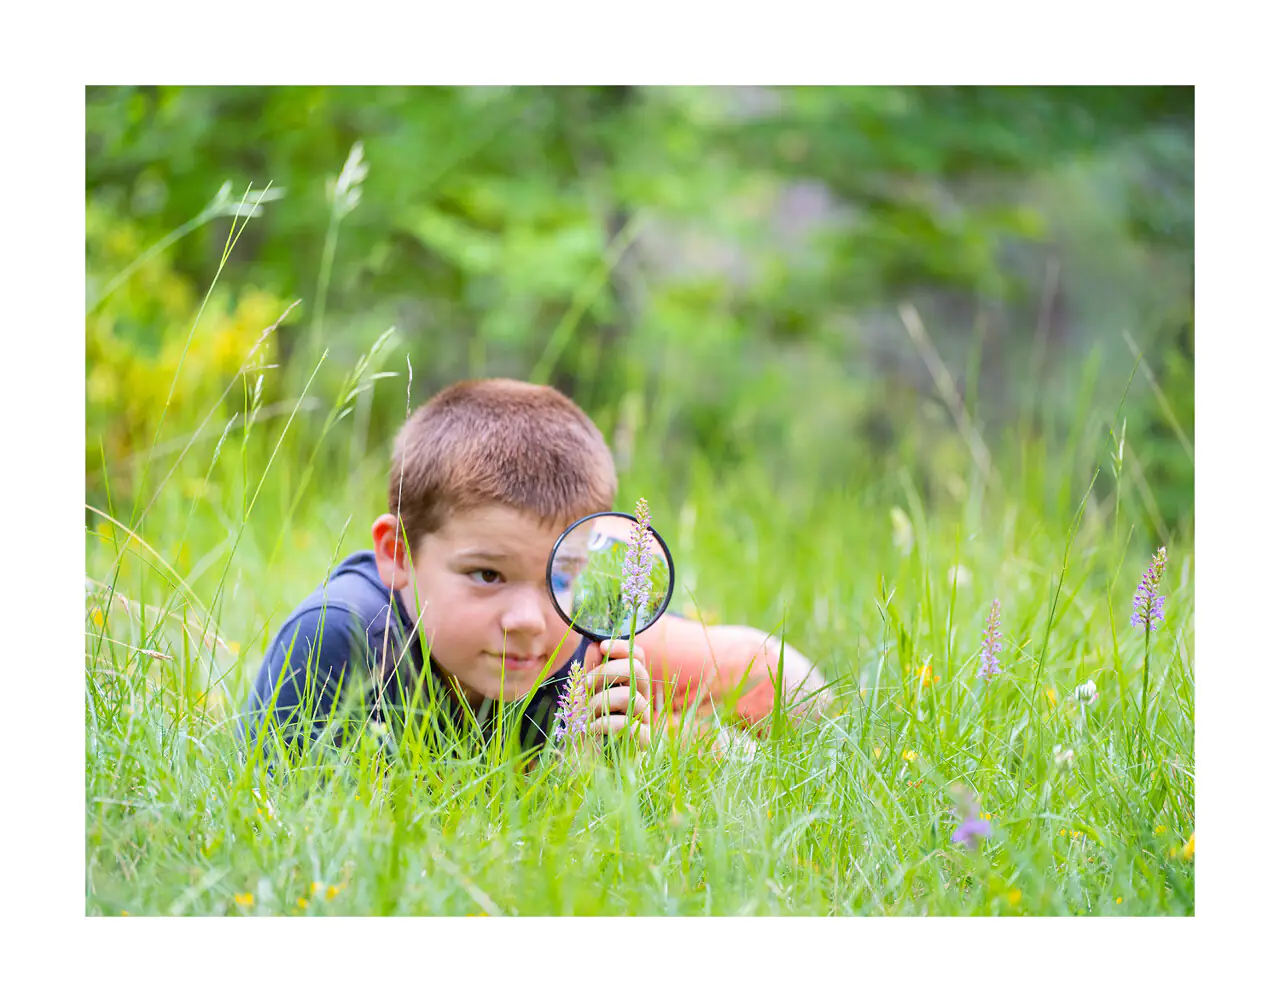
pixel 480 586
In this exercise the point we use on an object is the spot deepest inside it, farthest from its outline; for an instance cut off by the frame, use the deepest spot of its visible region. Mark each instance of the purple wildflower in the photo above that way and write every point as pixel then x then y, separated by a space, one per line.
pixel 1148 607
pixel 572 714
pixel 991 644
pixel 971 831
pixel 973 827
pixel 639 561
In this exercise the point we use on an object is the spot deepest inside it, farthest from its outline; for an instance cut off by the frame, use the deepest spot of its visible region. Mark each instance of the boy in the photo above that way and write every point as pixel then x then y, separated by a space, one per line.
pixel 484 478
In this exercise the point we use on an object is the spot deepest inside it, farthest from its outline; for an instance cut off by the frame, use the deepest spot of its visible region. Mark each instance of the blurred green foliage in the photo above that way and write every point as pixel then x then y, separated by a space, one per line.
pixel 716 267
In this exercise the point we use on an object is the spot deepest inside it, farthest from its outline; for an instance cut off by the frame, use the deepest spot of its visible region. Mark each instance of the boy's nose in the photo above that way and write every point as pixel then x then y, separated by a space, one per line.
pixel 527 612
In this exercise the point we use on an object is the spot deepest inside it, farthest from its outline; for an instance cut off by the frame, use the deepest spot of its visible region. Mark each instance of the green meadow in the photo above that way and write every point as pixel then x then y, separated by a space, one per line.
pixel 867 500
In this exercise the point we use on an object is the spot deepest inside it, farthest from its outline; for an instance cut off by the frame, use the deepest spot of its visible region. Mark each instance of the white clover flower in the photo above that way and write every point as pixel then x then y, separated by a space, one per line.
pixel 1086 694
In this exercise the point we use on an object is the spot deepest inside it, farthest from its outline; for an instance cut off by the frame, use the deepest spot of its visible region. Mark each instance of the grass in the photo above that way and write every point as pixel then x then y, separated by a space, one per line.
pixel 849 816
pixel 885 583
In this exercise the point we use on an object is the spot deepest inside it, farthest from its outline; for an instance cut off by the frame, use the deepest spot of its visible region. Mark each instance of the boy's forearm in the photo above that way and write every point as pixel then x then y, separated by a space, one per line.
pixel 747 662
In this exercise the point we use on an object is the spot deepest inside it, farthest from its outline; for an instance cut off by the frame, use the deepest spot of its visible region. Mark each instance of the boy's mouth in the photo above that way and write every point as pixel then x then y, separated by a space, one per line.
pixel 513 663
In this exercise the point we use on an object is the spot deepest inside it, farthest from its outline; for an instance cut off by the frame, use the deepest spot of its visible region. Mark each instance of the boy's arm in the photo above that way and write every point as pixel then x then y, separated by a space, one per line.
pixel 693 663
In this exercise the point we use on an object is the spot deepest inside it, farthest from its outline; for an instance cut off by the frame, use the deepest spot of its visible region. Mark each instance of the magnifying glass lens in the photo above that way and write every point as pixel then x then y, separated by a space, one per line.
pixel 602 580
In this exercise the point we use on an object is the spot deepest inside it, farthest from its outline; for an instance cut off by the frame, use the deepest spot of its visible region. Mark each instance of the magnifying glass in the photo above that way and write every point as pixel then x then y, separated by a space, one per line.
pixel 602 580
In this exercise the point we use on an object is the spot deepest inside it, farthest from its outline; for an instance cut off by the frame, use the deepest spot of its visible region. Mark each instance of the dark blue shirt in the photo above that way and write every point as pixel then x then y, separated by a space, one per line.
pixel 342 640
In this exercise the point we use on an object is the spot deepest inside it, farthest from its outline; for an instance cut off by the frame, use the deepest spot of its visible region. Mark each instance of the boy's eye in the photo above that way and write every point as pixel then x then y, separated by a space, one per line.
pixel 485 575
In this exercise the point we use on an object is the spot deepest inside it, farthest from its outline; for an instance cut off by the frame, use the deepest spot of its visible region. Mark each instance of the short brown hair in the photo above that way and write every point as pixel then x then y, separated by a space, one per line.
pixel 498 441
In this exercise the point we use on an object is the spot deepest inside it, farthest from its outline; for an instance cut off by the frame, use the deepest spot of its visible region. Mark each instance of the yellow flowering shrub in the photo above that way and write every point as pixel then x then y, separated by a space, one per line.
pixel 136 341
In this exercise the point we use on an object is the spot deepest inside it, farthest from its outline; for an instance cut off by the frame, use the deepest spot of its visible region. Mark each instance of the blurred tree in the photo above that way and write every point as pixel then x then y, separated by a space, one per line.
pixel 604 238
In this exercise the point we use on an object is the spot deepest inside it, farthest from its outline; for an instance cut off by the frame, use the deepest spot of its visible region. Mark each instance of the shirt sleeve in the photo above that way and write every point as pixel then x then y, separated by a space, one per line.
pixel 307 669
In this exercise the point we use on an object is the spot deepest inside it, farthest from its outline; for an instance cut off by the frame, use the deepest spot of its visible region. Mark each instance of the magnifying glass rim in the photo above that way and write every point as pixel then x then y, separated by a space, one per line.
pixel 671 577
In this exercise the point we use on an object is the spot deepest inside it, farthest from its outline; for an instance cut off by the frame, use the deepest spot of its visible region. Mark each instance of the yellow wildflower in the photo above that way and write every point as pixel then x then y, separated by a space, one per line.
pixel 909 755
pixel 1189 849
pixel 1014 896
pixel 245 900
pixel 1051 694
pixel 303 902
pixel 986 815
pixel 1119 901
pixel 333 891
pixel 927 676
pixel 876 751
pixel 1160 829
pixel 96 616
pixel 233 646
pixel 124 913
pixel 903 532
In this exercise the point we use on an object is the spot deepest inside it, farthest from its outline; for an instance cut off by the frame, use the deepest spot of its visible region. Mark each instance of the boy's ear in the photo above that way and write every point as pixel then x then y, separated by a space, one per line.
pixel 389 551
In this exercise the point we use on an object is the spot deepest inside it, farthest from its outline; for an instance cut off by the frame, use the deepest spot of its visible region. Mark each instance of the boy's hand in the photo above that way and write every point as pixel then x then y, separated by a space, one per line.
pixel 608 676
